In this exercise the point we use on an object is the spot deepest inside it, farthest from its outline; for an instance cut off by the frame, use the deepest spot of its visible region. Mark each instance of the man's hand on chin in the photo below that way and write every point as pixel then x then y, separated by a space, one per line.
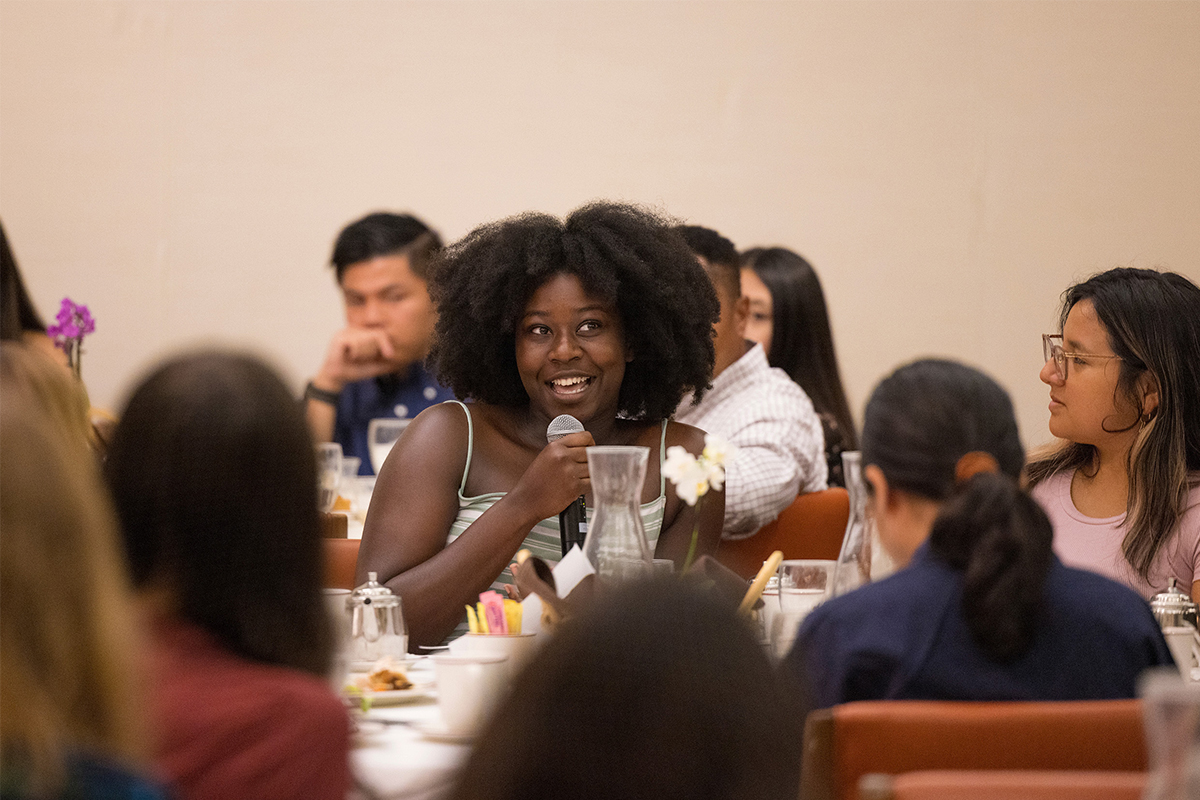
pixel 356 354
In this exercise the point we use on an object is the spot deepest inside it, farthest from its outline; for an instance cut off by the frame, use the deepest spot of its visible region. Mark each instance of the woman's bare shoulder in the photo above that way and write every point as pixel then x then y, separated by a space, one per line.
pixel 686 436
pixel 431 441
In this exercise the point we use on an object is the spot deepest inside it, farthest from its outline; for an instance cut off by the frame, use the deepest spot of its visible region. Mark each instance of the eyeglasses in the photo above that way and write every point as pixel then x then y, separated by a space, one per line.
pixel 1052 349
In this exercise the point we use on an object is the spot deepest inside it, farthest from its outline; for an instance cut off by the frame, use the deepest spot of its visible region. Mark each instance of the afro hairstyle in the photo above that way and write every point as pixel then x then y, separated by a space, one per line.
pixel 622 255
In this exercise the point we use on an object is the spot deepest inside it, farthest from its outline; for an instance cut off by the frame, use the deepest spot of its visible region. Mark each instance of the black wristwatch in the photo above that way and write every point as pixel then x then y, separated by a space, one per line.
pixel 320 395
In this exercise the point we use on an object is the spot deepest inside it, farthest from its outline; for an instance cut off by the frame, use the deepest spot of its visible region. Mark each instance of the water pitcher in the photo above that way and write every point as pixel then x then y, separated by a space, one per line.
pixel 854 561
pixel 616 540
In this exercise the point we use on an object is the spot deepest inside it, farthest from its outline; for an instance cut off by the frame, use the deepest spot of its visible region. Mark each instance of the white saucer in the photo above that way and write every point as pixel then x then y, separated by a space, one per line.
pixel 435 730
pixel 367 666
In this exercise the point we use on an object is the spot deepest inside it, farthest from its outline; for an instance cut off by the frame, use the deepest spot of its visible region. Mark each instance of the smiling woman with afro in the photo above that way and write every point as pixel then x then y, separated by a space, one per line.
pixel 605 316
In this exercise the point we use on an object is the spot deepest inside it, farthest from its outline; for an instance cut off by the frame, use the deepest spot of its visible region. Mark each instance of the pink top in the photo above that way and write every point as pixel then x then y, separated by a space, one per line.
pixel 232 728
pixel 1095 544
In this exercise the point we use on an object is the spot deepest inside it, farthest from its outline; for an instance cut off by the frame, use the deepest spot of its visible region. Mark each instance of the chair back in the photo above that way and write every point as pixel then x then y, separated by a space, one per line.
pixel 811 527
pixel 1016 785
pixel 896 736
pixel 341 560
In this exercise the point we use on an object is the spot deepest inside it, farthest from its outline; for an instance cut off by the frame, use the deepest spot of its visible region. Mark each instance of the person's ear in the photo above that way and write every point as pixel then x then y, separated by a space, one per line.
pixel 1147 386
pixel 741 315
pixel 878 484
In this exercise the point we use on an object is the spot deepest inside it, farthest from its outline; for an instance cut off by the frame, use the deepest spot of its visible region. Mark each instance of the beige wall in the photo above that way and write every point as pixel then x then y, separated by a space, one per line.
pixel 949 168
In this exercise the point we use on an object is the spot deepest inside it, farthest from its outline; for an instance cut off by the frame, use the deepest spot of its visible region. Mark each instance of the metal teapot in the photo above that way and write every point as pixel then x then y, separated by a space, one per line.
pixel 1176 615
pixel 1174 608
pixel 376 622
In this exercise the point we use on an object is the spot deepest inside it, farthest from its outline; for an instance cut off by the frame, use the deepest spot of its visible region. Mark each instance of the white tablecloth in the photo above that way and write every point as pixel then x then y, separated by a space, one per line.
pixel 399 762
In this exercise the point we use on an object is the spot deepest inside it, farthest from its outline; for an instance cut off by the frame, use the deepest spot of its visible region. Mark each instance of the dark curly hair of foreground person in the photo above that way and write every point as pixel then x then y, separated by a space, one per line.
pixel 621 254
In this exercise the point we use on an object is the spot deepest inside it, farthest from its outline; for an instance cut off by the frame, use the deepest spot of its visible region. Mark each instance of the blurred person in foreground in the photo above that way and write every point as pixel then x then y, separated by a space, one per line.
pixel 789 318
pixel 373 366
pixel 980 608
pixel 71 723
pixel 28 372
pixel 659 691
pixel 604 316
pixel 214 477
pixel 757 408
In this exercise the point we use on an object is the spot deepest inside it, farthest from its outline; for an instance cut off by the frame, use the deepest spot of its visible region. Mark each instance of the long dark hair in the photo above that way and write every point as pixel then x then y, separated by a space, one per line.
pixel 802 340
pixel 919 423
pixel 1153 324
pixel 213 474
pixel 17 312
pixel 637 699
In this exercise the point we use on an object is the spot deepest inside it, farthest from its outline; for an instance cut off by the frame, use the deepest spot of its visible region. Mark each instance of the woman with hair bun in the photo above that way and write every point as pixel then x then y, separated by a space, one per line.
pixel 1122 487
pixel 981 609
pixel 605 316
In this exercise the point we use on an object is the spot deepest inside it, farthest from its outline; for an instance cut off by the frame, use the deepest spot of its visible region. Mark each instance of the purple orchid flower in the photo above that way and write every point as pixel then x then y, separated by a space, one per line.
pixel 74 321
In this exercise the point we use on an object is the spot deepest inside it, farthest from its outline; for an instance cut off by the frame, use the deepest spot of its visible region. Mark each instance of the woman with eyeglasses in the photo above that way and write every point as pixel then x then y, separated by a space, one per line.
pixel 1122 487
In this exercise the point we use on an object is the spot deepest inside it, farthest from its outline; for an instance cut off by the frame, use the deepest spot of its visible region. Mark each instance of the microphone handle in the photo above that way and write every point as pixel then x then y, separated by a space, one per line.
pixel 572 525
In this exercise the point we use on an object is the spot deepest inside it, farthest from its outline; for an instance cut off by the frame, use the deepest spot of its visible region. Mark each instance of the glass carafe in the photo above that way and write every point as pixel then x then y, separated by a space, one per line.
pixel 854 560
pixel 616 540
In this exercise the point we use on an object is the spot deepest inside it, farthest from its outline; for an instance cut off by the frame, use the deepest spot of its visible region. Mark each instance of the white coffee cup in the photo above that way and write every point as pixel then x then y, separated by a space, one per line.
pixel 339 616
pixel 518 647
pixel 469 688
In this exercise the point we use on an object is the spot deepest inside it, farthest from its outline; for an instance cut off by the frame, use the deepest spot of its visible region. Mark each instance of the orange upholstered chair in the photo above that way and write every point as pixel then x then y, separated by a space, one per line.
pixel 811 527
pixel 341 559
pixel 894 737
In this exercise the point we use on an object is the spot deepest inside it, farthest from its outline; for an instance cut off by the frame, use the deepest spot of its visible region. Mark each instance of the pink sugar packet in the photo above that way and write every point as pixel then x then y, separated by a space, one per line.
pixel 493 607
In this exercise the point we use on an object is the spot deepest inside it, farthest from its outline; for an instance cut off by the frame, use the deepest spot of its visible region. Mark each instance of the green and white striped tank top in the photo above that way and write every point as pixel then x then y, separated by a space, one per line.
pixel 544 540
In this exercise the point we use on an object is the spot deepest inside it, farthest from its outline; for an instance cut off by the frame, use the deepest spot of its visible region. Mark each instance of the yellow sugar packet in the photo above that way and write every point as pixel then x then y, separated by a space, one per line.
pixel 472 620
pixel 512 615
pixel 483 623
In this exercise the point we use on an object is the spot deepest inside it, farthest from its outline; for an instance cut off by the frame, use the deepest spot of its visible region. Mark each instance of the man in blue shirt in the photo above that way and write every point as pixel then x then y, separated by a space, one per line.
pixel 373 365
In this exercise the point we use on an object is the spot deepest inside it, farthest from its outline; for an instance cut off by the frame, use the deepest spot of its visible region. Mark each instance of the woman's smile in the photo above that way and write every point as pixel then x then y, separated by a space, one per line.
pixel 570 386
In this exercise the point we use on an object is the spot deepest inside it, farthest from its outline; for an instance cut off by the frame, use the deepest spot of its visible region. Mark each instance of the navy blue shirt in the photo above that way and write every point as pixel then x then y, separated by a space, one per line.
pixel 399 396
pixel 906 638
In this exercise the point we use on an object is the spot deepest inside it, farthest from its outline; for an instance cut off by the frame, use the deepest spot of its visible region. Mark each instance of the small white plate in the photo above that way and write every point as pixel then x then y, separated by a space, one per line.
pixel 395 697
pixel 435 730
pixel 367 666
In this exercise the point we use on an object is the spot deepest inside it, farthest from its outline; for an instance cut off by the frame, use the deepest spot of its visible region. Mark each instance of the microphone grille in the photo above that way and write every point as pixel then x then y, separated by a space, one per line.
pixel 561 425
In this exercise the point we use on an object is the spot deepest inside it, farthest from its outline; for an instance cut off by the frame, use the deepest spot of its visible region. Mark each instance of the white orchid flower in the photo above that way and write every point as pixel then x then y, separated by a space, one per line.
pixel 715 476
pixel 717 451
pixel 677 464
pixel 691 477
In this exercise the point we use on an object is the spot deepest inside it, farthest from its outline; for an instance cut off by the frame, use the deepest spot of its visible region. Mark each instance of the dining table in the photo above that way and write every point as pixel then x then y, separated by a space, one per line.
pixel 392 758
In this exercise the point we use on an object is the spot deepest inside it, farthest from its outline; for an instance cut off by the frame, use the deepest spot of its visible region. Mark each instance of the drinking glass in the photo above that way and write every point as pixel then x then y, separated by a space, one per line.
pixel 803 585
pixel 382 434
pixel 329 474
pixel 1171 713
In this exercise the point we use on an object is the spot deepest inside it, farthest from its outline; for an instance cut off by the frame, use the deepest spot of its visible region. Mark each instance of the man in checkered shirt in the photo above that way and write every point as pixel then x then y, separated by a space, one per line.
pixel 758 408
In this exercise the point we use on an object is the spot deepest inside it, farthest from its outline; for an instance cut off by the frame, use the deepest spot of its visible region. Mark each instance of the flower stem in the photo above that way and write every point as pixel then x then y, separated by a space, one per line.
pixel 691 553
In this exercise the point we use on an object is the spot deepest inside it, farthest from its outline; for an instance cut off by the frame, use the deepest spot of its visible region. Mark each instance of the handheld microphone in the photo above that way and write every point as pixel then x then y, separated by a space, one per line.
pixel 572 522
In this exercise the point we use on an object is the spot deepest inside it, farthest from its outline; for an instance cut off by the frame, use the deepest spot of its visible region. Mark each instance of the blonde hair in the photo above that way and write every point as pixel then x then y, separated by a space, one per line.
pixel 67 631
pixel 42 382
